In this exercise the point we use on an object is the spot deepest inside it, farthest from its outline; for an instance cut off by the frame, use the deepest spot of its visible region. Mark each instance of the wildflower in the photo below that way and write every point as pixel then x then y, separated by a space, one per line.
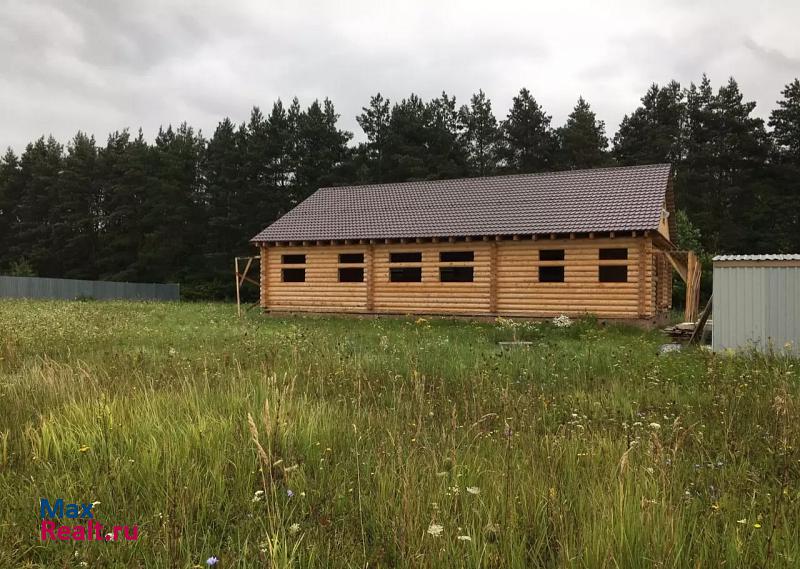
pixel 474 490
pixel 649 470
pixel 84 448
pixel 294 528
pixel 464 538
pixel 654 426
pixel 172 352
pixel 289 493
pixel 435 530
pixel 742 521
pixel 562 321
pixel 302 494
pixel 83 564
pixel 757 526
pixel 258 496
pixel 211 561
pixel 95 503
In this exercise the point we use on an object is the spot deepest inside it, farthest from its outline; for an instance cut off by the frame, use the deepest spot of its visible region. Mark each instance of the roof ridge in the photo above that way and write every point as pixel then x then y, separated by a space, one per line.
pixel 500 176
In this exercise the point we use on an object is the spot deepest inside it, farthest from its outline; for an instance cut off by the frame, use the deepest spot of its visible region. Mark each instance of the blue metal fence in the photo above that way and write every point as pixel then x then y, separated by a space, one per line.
pixel 71 289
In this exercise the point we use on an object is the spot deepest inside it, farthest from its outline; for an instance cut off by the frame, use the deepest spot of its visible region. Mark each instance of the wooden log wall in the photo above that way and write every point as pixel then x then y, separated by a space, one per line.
pixel 520 292
pixel 506 280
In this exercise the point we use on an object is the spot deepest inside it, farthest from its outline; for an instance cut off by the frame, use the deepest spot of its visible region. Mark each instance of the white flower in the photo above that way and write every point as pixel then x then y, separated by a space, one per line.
pixel 83 564
pixel 562 321
pixel 109 537
pixel 95 504
pixel 473 490
pixel 742 521
pixel 649 470
pixel 258 496
pixel 294 528
pixel 464 538
pixel 435 530
pixel 654 426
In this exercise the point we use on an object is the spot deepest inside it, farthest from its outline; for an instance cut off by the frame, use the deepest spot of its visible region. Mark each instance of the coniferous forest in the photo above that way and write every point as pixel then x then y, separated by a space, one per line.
pixel 180 208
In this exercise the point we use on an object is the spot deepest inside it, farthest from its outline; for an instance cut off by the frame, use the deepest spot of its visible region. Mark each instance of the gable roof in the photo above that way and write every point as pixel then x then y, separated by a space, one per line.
pixel 574 201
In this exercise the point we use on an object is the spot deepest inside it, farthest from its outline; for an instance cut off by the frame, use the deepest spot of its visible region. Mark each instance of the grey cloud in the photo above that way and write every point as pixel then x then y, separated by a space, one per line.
pixel 100 66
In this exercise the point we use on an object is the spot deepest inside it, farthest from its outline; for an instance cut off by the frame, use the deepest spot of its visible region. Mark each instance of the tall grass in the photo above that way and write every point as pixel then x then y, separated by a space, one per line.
pixel 335 442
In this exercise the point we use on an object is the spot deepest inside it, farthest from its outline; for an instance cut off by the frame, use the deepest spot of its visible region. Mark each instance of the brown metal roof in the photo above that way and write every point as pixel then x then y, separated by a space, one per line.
pixel 575 201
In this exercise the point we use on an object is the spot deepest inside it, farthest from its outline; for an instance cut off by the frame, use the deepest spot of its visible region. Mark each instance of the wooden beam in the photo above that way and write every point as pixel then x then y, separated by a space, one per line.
pixel 493 277
pixel 642 277
pixel 238 297
pixel 370 278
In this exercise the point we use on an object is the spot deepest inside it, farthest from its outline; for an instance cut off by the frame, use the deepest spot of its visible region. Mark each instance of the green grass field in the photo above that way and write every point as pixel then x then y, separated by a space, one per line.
pixel 389 442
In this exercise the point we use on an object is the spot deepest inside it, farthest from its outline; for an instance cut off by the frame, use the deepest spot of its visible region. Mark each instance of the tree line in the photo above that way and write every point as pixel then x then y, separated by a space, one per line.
pixel 179 209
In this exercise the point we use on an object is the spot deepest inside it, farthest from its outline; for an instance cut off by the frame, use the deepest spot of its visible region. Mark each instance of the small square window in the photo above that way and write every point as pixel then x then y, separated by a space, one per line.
pixel 351 275
pixel 456 274
pixel 613 274
pixel 405 257
pixel 293 259
pixel 551 254
pixel 351 258
pixel 551 274
pixel 405 274
pixel 456 256
pixel 616 254
pixel 293 275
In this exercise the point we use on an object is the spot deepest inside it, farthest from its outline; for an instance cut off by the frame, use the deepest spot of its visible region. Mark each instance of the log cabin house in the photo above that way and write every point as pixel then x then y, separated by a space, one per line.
pixel 535 245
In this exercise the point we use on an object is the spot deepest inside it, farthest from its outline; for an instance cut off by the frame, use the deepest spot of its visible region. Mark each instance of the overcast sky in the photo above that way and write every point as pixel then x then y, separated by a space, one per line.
pixel 103 65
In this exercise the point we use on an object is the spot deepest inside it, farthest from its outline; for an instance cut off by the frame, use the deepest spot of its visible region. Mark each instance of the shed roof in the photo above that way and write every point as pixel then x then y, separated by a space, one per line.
pixel 765 257
pixel 576 201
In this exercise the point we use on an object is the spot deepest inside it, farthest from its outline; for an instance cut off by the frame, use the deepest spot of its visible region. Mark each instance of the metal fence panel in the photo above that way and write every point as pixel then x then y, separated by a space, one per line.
pixel 757 307
pixel 71 289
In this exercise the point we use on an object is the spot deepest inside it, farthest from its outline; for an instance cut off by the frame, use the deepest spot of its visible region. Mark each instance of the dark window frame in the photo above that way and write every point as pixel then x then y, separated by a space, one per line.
pixel 613 254
pixel 348 258
pixel 405 274
pixel 609 276
pixel 457 274
pixel 293 259
pixel 300 275
pixel 351 271
pixel 456 256
pixel 552 254
pixel 547 269
pixel 405 257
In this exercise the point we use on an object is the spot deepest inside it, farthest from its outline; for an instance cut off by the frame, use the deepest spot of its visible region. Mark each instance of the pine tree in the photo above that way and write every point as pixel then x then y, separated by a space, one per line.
pixel 528 142
pixel 446 157
pixel 374 121
pixel 128 179
pixel 229 209
pixel 725 147
pixel 322 150
pixel 407 141
pixel 480 135
pixel 79 201
pixel 582 140
pixel 10 193
pixel 37 210
pixel 174 215
pixel 653 133
pixel 785 122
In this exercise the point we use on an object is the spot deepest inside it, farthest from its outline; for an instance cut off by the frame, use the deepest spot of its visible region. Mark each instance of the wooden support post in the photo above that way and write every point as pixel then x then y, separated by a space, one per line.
pixel 642 276
pixel 238 296
pixel 264 280
pixel 493 277
pixel 371 278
